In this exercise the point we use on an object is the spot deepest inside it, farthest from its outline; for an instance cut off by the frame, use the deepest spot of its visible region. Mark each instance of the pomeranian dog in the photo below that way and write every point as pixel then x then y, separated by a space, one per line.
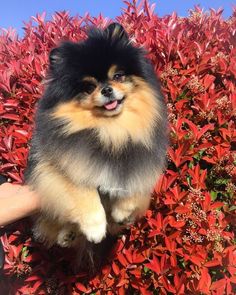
pixel 100 138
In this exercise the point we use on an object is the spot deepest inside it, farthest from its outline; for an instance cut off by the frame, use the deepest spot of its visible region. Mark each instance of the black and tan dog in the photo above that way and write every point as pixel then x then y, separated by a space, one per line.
pixel 100 134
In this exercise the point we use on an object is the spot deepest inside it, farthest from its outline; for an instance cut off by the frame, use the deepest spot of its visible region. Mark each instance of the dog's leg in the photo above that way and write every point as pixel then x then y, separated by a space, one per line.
pixel 89 214
pixel 46 230
pixel 127 209
pixel 67 203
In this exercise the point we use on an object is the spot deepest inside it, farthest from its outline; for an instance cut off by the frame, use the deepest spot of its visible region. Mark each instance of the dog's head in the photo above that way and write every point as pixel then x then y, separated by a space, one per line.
pixel 100 82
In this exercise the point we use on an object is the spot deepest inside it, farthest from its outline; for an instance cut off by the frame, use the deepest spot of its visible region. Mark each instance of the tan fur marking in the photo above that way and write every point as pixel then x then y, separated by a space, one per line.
pixel 89 101
pixel 112 71
pixel 90 79
pixel 136 121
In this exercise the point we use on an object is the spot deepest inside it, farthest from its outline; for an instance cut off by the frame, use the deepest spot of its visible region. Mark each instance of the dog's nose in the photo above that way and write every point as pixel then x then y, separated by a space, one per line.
pixel 107 91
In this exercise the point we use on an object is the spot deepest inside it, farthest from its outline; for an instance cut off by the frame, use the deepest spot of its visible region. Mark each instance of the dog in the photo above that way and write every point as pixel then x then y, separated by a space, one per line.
pixel 100 138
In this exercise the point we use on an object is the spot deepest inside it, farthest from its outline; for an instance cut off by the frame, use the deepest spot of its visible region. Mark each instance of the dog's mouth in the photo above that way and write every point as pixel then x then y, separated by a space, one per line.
pixel 113 105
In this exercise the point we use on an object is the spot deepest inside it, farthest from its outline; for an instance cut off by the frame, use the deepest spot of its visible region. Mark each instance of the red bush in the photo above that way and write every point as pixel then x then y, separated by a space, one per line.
pixel 186 243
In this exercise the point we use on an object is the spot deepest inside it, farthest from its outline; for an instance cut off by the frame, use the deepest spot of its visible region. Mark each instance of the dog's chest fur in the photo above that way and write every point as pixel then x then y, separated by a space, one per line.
pixel 131 170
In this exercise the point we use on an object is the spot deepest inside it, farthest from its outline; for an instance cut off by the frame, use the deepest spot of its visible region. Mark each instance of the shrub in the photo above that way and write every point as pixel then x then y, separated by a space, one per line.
pixel 186 242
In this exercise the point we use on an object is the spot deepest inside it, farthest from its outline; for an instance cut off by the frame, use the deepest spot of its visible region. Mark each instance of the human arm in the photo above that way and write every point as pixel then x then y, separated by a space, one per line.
pixel 16 202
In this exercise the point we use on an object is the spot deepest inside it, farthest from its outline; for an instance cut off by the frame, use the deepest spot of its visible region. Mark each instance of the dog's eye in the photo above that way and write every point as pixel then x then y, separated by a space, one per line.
pixel 119 76
pixel 90 88
pixel 87 87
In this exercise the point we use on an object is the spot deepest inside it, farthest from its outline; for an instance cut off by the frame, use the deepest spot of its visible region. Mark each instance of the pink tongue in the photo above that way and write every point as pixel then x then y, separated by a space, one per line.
pixel 111 105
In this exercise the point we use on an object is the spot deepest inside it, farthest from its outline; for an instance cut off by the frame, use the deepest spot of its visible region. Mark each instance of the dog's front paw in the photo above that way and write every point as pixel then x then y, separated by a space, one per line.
pixel 94 228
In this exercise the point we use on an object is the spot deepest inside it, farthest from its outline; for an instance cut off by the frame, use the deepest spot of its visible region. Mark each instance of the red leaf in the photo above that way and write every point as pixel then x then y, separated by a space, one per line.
pixel 219 285
pixel 115 268
pixel 81 287
pixel 212 263
pixel 154 265
pixel 122 259
pixel 9 116
pixel 208 80
pixel 176 224
pixel 170 244
pixel 205 281
pixel 182 209
pixel 196 260
pixel 216 205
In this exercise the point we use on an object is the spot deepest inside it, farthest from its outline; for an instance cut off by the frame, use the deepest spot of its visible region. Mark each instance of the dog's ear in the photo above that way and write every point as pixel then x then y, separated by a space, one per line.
pixel 59 54
pixel 116 31
pixel 55 56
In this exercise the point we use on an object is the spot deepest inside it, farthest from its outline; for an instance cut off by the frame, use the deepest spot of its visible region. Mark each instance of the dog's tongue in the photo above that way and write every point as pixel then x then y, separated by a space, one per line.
pixel 111 105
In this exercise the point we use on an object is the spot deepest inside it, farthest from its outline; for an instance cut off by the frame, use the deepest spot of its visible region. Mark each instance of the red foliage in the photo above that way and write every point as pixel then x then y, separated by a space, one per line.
pixel 185 245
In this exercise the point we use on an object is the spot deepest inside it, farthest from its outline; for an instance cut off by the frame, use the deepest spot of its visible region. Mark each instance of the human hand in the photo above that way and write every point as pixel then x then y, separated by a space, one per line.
pixel 16 201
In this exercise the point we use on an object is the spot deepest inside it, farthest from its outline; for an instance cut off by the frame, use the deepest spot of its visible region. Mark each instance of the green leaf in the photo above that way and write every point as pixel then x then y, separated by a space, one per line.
pixel 188 180
pixel 24 252
pixel 146 270
pixel 232 208
pixel 221 181
pixel 199 155
pixel 213 195
pixel 191 164
pixel 183 95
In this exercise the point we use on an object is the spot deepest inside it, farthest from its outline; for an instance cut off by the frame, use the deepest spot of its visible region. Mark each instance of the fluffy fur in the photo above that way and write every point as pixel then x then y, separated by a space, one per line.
pixel 100 139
